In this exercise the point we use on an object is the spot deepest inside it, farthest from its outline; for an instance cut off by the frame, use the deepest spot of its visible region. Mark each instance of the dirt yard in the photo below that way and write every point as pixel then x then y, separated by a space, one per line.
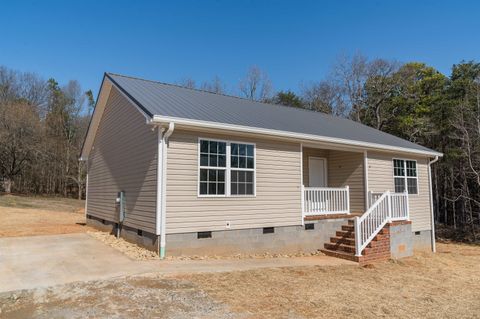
pixel 27 216
pixel 444 285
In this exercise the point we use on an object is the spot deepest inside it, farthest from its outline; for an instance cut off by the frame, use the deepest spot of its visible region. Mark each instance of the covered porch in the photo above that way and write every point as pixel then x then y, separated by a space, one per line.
pixel 333 183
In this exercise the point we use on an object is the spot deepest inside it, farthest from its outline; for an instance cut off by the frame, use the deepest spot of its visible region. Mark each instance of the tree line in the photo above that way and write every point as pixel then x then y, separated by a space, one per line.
pixel 411 100
pixel 42 124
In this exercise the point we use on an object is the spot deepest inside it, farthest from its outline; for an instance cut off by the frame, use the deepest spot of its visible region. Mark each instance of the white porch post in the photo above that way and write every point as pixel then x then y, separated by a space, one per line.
pixel 357 236
pixel 348 199
pixel 389 203
pixel 365 181
pixel 407 205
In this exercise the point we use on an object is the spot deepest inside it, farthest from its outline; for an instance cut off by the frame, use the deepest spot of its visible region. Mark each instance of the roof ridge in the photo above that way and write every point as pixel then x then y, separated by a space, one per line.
pixel 228 95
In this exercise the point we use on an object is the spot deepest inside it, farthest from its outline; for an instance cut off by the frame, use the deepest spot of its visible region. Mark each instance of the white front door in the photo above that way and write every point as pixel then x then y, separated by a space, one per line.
pixel 317 172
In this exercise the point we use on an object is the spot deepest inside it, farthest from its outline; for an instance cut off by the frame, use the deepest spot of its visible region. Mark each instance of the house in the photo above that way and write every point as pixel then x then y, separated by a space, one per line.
pixel 184 171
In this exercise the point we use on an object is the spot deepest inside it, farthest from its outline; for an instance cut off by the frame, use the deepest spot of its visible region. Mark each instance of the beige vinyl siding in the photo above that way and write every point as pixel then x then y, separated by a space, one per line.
pixel 346 168
pixel 278 194
pixel 124 157
pixel 380 179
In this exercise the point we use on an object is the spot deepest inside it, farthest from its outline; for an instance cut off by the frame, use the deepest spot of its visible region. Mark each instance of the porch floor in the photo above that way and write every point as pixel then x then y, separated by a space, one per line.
pixel 332 216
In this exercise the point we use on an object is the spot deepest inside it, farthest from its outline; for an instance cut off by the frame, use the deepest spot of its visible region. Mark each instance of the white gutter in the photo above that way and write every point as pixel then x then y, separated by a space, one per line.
pixel 161 185
pixel 432 217
pixel 272 132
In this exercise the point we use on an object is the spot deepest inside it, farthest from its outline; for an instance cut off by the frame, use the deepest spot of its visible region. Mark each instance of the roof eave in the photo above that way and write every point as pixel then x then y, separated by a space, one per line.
pixel 287 134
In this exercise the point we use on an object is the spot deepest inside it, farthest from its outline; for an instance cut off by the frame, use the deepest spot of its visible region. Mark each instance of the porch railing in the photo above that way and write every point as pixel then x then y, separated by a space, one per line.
pixel 326 200
pixel 373 197
pixel 386 208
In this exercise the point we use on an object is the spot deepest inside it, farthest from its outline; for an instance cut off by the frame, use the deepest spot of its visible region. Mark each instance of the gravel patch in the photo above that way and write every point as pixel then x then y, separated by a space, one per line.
pixel 245 256
pixel 131 250
pixel 139 253
pixel 130 297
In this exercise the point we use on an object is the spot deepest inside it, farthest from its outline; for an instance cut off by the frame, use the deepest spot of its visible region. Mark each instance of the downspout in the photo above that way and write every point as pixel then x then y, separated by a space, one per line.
pixel 86 194
pixel 158 221
pixel 163 137
pixel 432 217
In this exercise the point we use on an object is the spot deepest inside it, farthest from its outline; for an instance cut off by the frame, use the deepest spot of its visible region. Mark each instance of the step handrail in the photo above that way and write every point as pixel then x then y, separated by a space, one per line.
pixel 371 223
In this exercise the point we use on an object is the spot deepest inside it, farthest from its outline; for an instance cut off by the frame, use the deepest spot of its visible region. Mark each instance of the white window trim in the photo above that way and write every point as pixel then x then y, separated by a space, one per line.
pixel 405 177
pixel 227 169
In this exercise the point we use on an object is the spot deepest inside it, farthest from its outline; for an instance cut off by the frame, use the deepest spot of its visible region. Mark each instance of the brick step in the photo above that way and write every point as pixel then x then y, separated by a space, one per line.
pixel 340 247
pixel 351 241
pixel 342 240
pixel 345 234
pixel 351 222
pixel 340 254
pixel 348 228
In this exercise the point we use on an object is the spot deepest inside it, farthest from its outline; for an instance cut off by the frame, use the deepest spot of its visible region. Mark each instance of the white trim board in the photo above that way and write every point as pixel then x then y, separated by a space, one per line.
pixel 285 134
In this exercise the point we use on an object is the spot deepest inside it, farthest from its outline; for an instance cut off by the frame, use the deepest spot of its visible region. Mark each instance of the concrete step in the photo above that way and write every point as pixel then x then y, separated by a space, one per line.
pixel 340 254
pixel 340 247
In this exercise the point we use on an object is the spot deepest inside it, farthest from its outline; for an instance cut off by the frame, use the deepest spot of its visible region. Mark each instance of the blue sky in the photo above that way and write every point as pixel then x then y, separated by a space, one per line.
pixel 293 41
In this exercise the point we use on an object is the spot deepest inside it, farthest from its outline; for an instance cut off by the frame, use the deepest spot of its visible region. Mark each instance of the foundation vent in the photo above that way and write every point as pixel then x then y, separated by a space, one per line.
pixel 268 230
pixel 204 234
pixel 309 226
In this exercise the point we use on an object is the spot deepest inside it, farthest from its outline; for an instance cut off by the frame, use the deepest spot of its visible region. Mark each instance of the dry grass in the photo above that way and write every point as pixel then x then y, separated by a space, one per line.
pixel 27 216
pixel 445 285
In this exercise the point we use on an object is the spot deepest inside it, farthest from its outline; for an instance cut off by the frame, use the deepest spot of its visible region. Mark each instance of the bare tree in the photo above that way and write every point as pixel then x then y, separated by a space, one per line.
pixel 349 75
pixel 383 79
pixel 216 85
pixel 256 85
pixel 187 82
pixel 19 137
pixel 324 97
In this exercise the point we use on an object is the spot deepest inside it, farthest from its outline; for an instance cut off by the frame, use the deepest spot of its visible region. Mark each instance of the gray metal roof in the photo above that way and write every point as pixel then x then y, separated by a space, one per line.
pixel 162 99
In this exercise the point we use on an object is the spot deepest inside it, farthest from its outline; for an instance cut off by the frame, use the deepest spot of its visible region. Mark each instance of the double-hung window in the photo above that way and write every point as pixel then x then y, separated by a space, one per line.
pixel 213 166
pixel 405 176
pixel 242 169
pixel 226 168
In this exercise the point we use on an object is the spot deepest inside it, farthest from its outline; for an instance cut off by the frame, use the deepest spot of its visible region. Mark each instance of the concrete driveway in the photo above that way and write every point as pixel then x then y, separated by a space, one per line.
pixel 42 261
